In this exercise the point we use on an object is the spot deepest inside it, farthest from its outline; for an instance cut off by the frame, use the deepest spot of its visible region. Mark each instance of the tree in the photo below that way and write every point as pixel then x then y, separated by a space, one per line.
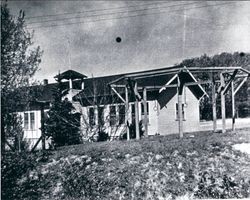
pixel 63 122
pixel 19 62
pixel 225 60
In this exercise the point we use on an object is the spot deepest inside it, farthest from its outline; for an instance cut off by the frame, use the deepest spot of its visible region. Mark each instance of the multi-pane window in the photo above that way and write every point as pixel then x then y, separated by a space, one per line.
pixel 177 111
pixel 26 121
pixel 101 115
pixel 29 121
pixel 142 109
pixel 143 112
pixel 32 121
pixel 133 112
pixel 112 115
pixel 91 116
pixel 121 112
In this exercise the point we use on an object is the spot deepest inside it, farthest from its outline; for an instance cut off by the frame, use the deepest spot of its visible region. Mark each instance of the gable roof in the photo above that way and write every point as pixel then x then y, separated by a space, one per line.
pixel 70 74
pixel 185 77
pixel 98 87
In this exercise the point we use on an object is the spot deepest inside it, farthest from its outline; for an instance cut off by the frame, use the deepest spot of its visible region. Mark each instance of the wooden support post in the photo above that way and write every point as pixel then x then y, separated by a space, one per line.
pixel 127 112
pixel 233 106
pixel 42 127
pixel 19 142
pixel 136 115
pixel 214 105
pixel 223 106
pixel 145 111
pixel 180 117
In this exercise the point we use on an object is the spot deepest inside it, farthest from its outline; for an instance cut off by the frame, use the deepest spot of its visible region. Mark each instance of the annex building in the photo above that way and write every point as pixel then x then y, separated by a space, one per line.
pixel 152 97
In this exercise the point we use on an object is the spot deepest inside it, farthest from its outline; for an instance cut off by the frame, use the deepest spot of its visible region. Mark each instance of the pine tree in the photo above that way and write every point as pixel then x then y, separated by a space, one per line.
pixel 62 123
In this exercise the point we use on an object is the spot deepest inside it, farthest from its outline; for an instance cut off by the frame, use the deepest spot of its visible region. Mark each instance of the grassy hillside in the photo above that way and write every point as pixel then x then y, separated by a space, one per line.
pixel 203 165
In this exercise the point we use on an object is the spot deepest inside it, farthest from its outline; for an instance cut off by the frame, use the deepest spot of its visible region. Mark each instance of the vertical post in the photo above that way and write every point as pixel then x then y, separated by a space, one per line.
pixel 42 126
pixel 136 114
pixel 223 107
pixel 82 84
pixel 233 106
pixel 214 105
pixel 145 111
pixel 180 117
pixel 70 84
pixel 19 141
pixel 127 112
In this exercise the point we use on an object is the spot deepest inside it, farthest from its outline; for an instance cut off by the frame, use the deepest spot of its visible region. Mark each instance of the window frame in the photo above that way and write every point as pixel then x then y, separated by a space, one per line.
pixel 183 111
pixel 100 118
pixel 92 120
pixel 29 123
pixel 112 116
pixel 121 114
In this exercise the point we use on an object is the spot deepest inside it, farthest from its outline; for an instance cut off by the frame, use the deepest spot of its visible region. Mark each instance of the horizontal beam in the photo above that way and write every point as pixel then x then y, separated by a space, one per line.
pixel 165 71
pixel 204 69
pixel 120 86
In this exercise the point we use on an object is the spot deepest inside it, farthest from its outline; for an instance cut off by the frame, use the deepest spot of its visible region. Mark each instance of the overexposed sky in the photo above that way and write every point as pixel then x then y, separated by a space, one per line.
pixel 81 35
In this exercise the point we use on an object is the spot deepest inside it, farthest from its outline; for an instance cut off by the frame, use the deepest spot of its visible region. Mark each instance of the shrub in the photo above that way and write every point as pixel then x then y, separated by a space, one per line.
pixel 132 130
pixel 13 167
pixel 212 186
pixel 102 136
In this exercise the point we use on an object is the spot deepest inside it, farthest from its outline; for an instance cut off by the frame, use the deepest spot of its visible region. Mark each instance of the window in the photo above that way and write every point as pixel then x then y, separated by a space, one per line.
pixel 133 112
pixel 101 116
pixel 112 114
pixel 183 111
pixel 91 116
pixel 143 112
pixel 29 121
pixel 142 109
pixel 121 112
pixel 32 121
pixel 26 121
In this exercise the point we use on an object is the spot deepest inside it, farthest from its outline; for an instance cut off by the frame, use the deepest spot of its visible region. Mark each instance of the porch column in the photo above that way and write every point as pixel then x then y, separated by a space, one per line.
pixel 137 114
pixel 127 112
pixel 233 106
pixel 145 111
pixel 223 107
pixel 180 117
pixel 214 105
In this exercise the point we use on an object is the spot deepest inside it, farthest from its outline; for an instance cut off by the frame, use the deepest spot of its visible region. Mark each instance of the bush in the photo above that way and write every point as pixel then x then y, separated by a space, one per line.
pixel 212 186
pixel 132 131
pixel 13 167
pixel 102 136
pixel 20 178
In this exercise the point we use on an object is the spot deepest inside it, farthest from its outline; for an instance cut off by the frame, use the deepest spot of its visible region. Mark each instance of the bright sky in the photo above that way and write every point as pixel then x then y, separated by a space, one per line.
pixel 81 35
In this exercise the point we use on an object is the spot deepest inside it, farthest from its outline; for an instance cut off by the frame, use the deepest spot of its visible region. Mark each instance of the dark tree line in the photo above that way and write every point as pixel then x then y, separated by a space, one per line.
pixel 242 98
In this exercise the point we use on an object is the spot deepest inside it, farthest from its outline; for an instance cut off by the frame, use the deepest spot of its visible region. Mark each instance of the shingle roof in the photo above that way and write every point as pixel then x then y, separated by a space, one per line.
pixel 70 74
pixel 100 87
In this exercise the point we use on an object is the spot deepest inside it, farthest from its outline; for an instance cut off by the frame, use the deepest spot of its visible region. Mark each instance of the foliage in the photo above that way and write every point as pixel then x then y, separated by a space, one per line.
pixel 205 165
pixel 19 62
pixel 225 60
pixel 132 130
pixel 13 167
pixel 63 122
pixel 102 136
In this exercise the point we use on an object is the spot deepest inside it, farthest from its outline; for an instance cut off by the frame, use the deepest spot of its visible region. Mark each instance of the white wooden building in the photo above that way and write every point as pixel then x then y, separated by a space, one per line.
pixel 99 104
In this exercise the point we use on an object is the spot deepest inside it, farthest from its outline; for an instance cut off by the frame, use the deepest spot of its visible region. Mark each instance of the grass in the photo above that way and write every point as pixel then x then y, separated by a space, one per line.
pixel 161 167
